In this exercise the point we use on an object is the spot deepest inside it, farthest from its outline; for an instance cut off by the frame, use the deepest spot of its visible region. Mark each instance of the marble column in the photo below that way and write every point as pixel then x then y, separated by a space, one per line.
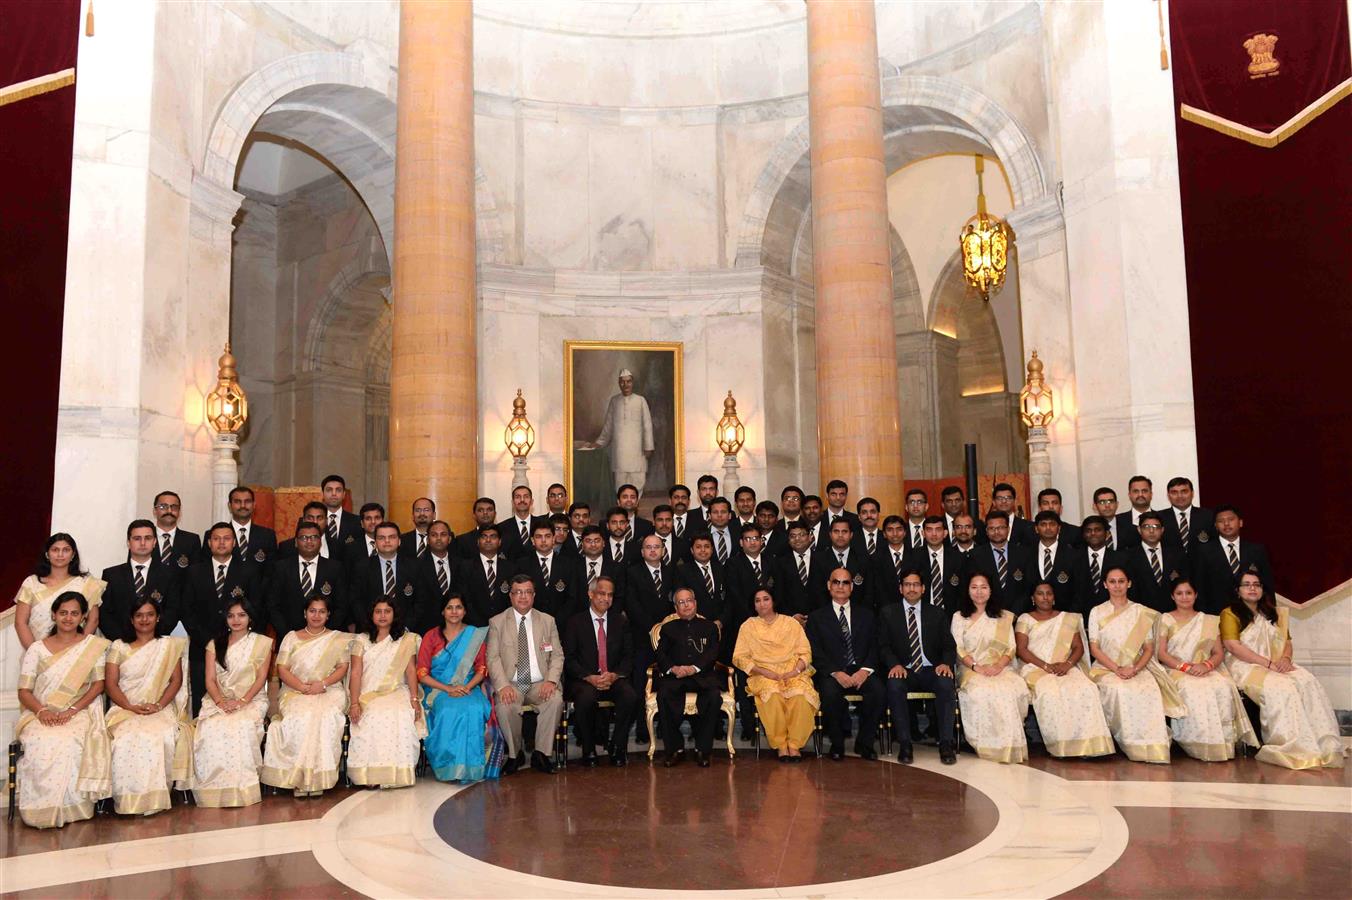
pixel 858 431
pixel 433 393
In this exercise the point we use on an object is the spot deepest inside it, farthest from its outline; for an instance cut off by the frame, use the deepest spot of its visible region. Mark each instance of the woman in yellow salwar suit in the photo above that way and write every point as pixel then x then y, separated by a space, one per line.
pixel 773 651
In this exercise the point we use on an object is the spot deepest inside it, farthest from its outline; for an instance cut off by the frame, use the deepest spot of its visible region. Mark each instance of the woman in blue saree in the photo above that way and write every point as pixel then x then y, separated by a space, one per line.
pixel 463 742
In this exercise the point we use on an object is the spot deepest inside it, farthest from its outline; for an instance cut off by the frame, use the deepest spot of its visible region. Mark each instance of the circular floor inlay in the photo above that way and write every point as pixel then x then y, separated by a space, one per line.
pixel 753 824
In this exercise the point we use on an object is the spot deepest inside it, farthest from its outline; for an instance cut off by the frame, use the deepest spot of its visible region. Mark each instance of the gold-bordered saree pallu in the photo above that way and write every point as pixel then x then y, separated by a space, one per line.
pixel 150 754
pixel 1069 715
pixel 384 745
pixel 226 754
pixel 306 737
pixel 1299 728
pixel 64 769
pixel 993 708
pixel 1136 708
pixel 1216 720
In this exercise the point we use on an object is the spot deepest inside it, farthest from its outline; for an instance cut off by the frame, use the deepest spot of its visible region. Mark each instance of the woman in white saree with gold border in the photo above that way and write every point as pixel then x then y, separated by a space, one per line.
pixel 1296 718
pixel 229 732
pixel 383 703
pixel 1135 693
pixel 149 723
pixel 64 767
pixel 992 697
pixel 305 741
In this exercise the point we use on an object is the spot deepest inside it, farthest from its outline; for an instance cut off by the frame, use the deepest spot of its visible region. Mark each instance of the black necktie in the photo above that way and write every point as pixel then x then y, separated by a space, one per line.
pixel 896 564
pixel 619 551
pixel 1109 545
pixel 370 548
pixel 1046 562
pixel 918 539
pixel 680 526
pixel 525 533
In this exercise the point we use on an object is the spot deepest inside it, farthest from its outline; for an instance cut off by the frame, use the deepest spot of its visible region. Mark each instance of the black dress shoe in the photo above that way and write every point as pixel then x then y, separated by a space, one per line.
pixel 513 764
pixel 618 758
pixel 589 760
pixel 866 752
pixel 947 754
pixel 837 754
pixel 702 759
pixel 905 754
pixel 541 763
pixel 670 760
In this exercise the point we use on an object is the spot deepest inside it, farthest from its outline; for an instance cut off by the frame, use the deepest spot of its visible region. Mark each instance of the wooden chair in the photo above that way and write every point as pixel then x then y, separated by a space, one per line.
pixel 727 706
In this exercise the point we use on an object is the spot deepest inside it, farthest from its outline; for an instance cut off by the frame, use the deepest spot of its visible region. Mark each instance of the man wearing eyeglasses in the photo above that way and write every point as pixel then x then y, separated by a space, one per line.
pixel 296 579
pixel 174 547
pixel 1154 564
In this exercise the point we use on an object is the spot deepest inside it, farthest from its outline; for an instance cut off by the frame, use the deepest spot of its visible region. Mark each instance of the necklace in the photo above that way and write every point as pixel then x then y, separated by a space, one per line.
pixel 321 630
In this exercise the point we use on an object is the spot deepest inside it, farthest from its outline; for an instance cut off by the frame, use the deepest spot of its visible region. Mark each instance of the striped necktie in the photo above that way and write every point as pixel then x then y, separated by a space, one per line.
pixel 722 547
pixel 220 581
pixel 896 564
pixel 306 582
pixel 913 633
pixel 847 637
pixel 802 569
pixel 708 580
pixel 1002 565
pixel 491 576
pixel 917 538
pixel 443 580
pixel 936 578
pixel 1183 532
pixel 1094 570
pixel 1234 558
pixel 167 550
pixel 657 581
pixel 389 577
pixel 1155 566
pixel 333 527
pixel 422 543
pixel 243 541
pixel 544 569
pixel 139 580
pixel 756 567
pixel 522 656
pixel 1046 562
pixel 871 542
pixel 1109 545
pixel 591 573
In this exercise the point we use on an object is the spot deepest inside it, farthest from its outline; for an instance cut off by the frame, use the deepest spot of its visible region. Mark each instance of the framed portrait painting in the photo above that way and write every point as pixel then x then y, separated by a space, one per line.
pixel 622 420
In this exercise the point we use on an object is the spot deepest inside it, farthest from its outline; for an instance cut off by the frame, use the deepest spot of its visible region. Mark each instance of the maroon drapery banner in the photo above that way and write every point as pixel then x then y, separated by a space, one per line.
pixel 1267 230
pixel 38 37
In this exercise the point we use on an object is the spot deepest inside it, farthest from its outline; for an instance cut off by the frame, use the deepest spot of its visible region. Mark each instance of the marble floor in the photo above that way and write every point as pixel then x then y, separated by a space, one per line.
pixel 1096 828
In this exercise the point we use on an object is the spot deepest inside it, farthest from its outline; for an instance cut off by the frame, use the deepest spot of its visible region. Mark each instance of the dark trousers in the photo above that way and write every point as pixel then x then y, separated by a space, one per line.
pixel 585 697
pixel 836 712
pixel 671 707
pixel 922 680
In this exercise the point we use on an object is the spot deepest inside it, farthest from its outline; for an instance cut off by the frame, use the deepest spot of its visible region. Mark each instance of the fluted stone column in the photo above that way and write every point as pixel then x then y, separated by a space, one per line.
pixel 858 431
pixel 433 392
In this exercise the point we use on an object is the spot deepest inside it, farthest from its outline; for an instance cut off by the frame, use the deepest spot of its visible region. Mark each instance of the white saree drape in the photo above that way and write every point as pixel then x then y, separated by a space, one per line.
pixel 384 745
pixel 306 737
pixel 1300 730
pixel 993 708
pixel 1135 708
pixel 64 768
pixel 226 754
pixel 38 598
pixel 1068 711
pixel 150 754
pixel 1216 720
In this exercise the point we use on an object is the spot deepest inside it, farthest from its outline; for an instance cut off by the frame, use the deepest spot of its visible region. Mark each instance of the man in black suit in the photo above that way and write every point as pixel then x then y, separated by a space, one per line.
pixel 706 488
pixel 685 660
pixel 592 564
pixel 1122 533
pixel 357 553
pixel 1219 562
pixel 296 579
pixel 556 500
pixel 722 529
pixel 135 581
pixel 674 549
pixel 889 562
pixel 1007 566
pixel 917 510
pixel 954 503
pixel 211 586
pixel 256 543
pixel 1053 559
pixel 1153 565
pixel 1050 499
pixel 1091 564
pixel 964 538
pixel 466 546
pixel 1185 525
pixel 516 531
pixel 816 522
pixel 598 658
pixel 175 548
pixel 837 493
pixel 868 536
pixel 917 652
pixel 1021 531
pixel 941 565
pixel 845 654
pixel 387 574
pixel 620 547
pixel 483 579
pixel 342 529
pixel 799 575
pixel 554 575
pixel 436 577
pixel 774 537
pixel 703 575
pixel 743 508
pixel 841 551
pixel 314 512
pixel 1141 496
pixel 684 524
pixel 627 499
pixel 648 583
pixel 414 543
pixel 579 517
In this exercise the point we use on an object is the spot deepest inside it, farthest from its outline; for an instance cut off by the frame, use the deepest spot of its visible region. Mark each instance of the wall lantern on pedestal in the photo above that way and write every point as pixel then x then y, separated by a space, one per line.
pixel 984 241
pixel 519 438
pixel 1037 409
pixel 730 435
pixel 227 411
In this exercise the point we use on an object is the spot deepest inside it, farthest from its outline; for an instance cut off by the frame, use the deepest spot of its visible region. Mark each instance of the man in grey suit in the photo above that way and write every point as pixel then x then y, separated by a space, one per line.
pixel 525 666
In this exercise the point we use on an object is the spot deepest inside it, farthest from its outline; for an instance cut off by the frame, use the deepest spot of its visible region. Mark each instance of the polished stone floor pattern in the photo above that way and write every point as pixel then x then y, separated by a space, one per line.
pixel 1097 828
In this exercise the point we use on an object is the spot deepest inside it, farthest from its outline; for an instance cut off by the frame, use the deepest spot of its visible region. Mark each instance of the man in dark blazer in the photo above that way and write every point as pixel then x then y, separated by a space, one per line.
pixel 1050 499
pixel 436 577
pixel 723 529
pixel 342 529
pixel 705 578
pixel 211 586
pixel 648 585
pixel 136 581
pixel 946 583
pixel 414 542
pixel 1007 566
pixel 1185 525
pixel 837 495
pixel 627 499
pixel 1054 559
pixel 1091 564
pixel 840 550
pixel 889 562
pixel 1153 565
pixel 287 589
pixel 775 539
pixel 917 652
pixel 592 564
pixel 677 549
pixel 1218 563
pixel 843 636
pixel 314 512
pixel 483 579
pixel 685 660
pixel 800 576
pixel 591 678
pixel 388 573
pixel 1122 533
pixel 1021 530
pixel 868 534
pixel 175 548
pixel 554 574
pixel 256 543
pixel 620 546
pixel 466 546
pixel 517 529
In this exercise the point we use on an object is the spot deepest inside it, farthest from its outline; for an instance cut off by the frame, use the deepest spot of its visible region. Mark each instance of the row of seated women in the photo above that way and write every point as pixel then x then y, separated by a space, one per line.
pixel 1150 679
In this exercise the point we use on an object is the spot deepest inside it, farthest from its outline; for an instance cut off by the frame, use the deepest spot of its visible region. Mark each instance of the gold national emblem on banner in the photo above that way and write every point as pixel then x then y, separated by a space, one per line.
pixel 1262 62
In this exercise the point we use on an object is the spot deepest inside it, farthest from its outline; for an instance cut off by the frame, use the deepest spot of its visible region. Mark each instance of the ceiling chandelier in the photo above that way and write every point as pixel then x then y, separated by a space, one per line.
pixel 985 242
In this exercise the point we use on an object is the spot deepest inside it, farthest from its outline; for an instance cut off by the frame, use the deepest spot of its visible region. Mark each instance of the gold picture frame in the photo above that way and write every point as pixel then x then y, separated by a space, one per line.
pixel 590 370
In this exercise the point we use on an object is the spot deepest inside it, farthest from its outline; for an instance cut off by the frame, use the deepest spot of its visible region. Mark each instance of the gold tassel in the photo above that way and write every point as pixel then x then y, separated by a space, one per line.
pixel 89 20
pixel 1164 51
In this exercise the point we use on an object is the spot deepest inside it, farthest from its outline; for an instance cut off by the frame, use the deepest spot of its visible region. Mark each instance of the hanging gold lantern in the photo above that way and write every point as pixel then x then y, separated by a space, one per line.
pixel 729 433
pixel 227 406
pixel 519 436
pixel 985 241
pixel 1036 407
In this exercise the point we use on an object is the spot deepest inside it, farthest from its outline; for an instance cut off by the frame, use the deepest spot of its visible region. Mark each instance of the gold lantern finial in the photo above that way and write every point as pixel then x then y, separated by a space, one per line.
pixel 227 405
pixel 1036 406
pixel 984 242
pixel 519 436
pixel 730 433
